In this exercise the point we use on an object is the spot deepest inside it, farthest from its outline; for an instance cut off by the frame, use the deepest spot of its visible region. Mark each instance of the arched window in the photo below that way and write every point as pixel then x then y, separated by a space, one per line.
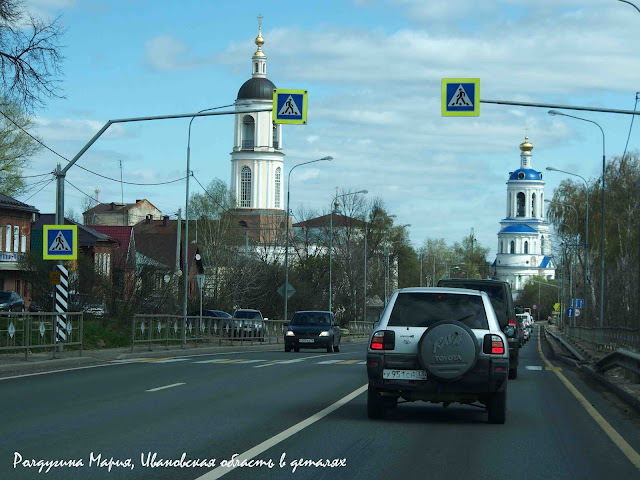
pixel 245 187
pixel 526 247
pixel 256 67
pixel 542 245
pixel 534 209
pixel 520 200
pixel 278 178
pixel 501 246
pixel 513 247
pixel 248 129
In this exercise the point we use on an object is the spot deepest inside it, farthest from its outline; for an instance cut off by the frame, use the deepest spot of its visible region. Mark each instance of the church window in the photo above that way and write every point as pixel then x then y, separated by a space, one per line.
pixel 248 129
pixel 534 212
pixel 256 67
pixel 542 244
pixel 501 246
pixel 278 181
pixel 245 187
pixel 513 247
pixel 526 247
pixel 520 200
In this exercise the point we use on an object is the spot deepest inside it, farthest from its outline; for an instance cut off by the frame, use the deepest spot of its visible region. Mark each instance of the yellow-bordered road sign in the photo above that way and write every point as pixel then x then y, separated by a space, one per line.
pixel 460 97
pixel 290 106
pixel 60 242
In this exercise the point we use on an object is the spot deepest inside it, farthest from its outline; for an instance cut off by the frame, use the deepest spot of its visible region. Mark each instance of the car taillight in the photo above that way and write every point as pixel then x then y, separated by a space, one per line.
pixel 512 322
pixel 383 340
pixel 493 345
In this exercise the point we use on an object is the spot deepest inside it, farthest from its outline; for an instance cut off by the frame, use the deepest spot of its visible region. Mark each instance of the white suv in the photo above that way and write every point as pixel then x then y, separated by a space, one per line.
pixel 439 345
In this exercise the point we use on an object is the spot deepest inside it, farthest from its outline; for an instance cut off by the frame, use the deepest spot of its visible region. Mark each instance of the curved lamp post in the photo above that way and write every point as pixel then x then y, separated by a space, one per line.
pixel 186 216
pixel 334 206
pixel 555 112
pixel 286 250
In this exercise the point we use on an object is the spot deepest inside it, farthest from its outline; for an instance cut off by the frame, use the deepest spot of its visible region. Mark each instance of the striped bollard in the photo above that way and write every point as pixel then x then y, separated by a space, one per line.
pixel 62 304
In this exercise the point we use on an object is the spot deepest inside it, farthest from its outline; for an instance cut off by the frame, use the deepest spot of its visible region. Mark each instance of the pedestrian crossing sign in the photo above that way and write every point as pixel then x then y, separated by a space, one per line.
pixel 290 106
pixel 60 242
pixel 460 97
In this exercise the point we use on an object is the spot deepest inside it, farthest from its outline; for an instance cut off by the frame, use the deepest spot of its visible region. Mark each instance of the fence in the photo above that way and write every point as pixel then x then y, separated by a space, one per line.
pixel 607 338
pixel 178 330
pixel 360 329
pixel 34 330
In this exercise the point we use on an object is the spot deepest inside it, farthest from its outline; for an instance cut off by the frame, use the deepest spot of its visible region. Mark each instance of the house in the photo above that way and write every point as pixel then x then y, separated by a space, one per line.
pixel 15 242
pixel 121 214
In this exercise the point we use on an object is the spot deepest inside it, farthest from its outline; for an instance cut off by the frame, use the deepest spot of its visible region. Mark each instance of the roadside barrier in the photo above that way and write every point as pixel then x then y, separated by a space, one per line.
pixel 607 338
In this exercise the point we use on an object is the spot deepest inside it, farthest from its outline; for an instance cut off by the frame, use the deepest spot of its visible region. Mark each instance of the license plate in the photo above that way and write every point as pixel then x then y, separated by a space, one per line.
pixel 404 374
pixel 306 340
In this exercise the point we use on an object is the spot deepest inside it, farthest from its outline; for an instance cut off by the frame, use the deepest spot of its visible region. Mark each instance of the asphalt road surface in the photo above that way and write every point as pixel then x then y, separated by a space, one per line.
pixel 303 416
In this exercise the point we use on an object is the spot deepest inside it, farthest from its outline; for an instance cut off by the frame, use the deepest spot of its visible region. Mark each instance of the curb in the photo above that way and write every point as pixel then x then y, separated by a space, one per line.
pixel 580 365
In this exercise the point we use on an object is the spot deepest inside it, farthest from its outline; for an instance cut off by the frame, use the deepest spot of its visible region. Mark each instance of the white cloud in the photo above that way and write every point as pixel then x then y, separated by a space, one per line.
pixel 165 53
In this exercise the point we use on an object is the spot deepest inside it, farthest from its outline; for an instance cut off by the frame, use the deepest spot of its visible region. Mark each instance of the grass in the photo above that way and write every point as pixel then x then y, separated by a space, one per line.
pixel 97 336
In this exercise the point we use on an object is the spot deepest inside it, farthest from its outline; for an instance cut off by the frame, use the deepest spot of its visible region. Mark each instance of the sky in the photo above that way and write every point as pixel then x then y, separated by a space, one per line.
pixel 373 69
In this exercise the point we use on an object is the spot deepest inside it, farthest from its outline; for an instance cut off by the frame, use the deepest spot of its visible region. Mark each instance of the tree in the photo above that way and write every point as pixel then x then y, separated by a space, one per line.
pixel 30 58
pixel 16 147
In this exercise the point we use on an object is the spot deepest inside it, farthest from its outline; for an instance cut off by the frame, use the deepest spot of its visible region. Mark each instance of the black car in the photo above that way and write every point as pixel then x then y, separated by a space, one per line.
pixel 502 300
pixel 225 324
pixel 312 329
pixel 11 302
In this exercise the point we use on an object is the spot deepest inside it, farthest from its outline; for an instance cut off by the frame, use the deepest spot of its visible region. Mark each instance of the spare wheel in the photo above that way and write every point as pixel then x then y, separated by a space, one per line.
pixel 448 349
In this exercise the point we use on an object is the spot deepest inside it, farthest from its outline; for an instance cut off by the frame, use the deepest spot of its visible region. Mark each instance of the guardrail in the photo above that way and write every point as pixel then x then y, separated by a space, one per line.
pixel 629 361
pixel 175 329
pixel 607 338
pixel 34 330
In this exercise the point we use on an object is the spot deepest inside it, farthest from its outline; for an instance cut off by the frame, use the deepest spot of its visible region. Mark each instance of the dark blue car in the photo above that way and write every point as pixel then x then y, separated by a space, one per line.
pixel 312 329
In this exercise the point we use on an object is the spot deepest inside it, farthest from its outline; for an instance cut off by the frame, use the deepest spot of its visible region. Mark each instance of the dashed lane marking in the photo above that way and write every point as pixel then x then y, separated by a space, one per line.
pixel 533 367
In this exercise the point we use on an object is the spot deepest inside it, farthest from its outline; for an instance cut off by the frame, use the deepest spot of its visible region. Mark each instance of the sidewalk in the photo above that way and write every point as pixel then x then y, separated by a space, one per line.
pixel 15 363
pixel 614 379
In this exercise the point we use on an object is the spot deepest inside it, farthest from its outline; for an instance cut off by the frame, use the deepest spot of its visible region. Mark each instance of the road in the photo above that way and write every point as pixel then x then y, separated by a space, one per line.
pixel 310 406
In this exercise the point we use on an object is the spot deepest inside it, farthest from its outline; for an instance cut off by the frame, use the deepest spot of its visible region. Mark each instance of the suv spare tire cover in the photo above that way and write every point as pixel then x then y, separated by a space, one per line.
pixel 448 349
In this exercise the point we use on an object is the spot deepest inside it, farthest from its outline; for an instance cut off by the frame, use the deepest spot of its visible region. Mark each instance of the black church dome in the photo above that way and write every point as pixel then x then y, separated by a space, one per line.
pixel 256 89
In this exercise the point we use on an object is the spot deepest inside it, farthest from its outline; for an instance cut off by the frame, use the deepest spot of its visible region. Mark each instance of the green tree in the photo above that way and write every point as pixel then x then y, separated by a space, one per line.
pixel 16 148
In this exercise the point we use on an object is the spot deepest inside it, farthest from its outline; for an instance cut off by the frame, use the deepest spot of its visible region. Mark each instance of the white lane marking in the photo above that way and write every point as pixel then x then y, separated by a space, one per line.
pixel 60 371
pixel 284 362
pixel 252 361
pixel 215 360
pixel 166 386
pixel 267 444
pixel 170 360
pixel 533 367
pixel 328 362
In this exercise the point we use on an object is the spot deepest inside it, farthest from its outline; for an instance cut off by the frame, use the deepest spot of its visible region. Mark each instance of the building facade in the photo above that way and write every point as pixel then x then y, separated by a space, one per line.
pixel 524 243
pixel 257 159
pixel 121 214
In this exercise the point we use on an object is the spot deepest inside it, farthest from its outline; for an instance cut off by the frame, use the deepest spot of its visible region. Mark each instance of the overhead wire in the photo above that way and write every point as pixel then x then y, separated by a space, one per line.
pixel 631 126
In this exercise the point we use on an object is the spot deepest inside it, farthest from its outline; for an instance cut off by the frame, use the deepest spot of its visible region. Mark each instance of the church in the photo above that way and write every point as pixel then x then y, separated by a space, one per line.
pixel 524 243
pixel 257 159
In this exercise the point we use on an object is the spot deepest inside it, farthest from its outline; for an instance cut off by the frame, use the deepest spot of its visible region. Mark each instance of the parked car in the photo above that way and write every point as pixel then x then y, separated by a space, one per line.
pixel 225 324
pixel 312 329
pixel 35 307
pixel 11 302
pixel 502 300
pixel 439 345
pixel 250 323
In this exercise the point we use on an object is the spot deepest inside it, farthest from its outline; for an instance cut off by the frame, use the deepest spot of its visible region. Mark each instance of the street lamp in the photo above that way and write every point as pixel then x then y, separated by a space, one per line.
pixel 555 112
pixel 286 250
pixel 334 206
pixel 185 272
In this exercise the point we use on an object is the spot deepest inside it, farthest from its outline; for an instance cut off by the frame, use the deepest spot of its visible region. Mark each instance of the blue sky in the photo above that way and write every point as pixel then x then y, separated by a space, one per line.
pixel 373 69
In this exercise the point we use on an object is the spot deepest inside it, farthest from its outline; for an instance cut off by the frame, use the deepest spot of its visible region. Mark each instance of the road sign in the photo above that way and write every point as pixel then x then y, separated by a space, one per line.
pixel 54 278
pixel 556 307
pixel 200 279
pixel 576 312
pixel 579 303
pixel 60 242
pixel 290 106
pixel 460 97
pixel 290 291
pixel 535 307
pixel 570 312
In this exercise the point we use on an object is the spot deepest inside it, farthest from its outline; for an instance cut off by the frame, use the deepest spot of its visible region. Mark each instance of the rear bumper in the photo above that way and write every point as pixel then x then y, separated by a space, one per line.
pixel 487 376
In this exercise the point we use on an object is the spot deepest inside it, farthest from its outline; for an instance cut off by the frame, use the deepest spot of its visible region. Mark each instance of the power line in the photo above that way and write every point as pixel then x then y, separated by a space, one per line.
pixel 48 183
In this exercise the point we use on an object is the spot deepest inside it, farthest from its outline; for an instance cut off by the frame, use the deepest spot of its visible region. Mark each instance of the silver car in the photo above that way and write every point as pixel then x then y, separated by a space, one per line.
pixel 439 345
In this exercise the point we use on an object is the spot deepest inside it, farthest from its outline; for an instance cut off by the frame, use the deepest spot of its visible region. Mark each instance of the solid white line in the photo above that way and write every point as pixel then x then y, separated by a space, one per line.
pixel 166 386
pixel 251 361
pixel 267 444
pixel 533 367
pixel 171 360
pixel 215 360
pixel 296 360
pixel 60 371
pixel 329 362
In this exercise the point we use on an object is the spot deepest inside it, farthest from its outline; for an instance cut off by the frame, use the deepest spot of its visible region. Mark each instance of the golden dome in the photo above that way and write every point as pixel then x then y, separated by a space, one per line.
pixel 526 147
pixel 259 43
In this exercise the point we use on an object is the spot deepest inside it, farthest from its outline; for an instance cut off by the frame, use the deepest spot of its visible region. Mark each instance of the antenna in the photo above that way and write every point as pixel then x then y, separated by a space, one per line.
pixel 97 192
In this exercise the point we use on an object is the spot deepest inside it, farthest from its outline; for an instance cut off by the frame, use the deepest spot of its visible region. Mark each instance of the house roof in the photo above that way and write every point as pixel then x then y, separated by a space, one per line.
pixel 124 236
pixel 13 204
pixel 339 221
pixel 116 207
pixel 156 239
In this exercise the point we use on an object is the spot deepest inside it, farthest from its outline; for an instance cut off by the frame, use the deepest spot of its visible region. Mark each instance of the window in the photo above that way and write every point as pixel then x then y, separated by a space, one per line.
pixel 533 205
pixel 513 247
pixel 16 238
pixel 248 129
pixel 501 246
pixel 7 239
pixel 256 67
pixel 278 178
pixel 542 245
pixel 245 187
pixel 526 247
pixel 520 200
pixel 276 144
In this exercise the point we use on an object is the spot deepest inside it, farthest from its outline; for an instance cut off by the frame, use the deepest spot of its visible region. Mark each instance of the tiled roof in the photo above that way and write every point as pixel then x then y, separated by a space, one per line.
pixel 13 204
pixel 124 236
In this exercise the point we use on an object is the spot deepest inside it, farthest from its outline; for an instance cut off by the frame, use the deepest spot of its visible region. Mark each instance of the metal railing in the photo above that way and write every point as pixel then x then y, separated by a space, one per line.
pixel 209 331
pixel 360 328
pixel 607 338
pixel 34 330
pixel 628 361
